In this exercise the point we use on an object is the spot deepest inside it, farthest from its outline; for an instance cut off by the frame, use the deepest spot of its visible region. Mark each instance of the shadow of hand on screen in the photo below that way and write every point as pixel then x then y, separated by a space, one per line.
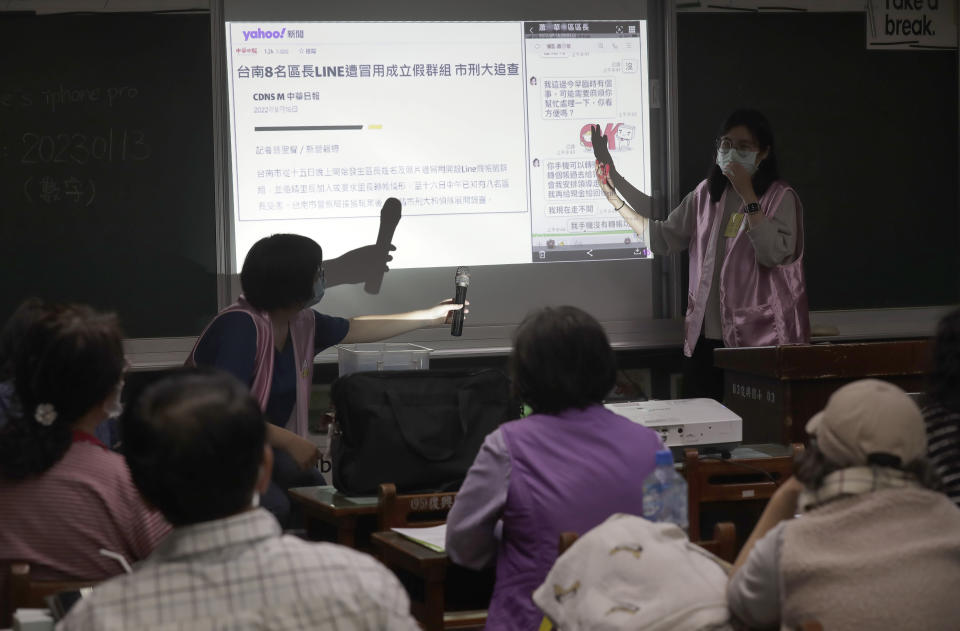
pixel 363 265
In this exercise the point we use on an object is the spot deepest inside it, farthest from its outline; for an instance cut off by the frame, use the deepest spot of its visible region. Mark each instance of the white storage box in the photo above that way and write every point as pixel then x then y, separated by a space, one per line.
pixel 382 356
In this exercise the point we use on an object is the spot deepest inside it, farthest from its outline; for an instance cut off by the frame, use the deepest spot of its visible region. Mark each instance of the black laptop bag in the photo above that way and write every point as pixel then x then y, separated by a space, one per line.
pixel 419 429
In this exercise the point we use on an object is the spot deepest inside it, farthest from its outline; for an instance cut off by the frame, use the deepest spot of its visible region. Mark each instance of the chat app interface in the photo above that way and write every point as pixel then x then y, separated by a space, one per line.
pixel 579 74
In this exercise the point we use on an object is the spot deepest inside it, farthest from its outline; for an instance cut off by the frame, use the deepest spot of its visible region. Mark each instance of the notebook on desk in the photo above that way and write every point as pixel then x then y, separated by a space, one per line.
pixel 433 537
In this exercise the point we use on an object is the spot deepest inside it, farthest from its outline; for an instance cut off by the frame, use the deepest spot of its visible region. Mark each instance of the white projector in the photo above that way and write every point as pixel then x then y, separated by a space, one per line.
pixel 700 423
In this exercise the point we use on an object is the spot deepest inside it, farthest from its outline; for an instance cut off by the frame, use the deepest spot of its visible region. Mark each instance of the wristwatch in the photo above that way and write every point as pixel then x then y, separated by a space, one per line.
pixel 751 208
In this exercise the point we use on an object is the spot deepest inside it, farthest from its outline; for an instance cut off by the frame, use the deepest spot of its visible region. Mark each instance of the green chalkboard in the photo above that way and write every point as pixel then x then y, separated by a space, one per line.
pixel 107 179
pixel 868 138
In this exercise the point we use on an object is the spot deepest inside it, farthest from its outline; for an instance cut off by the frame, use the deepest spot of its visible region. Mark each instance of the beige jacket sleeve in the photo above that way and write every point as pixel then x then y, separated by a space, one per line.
pixel 775 239
pixel 673 234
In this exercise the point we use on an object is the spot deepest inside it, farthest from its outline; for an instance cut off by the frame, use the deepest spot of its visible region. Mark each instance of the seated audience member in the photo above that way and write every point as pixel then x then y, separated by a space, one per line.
pixel 63 494
pixel 630 573
pixel 10 338
pixel 268 338
pixel 196 446
pixel 568 466
pixel 941 408
pixel 874 547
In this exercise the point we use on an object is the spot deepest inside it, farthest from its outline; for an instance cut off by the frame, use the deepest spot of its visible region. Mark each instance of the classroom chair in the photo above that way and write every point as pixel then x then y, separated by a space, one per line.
pixel 723 545
pixel 411 511
pixel 728 480
pixel 431 571
pixel 24 591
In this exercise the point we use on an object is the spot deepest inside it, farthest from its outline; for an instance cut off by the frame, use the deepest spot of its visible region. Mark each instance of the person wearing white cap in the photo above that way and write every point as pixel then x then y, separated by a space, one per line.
pixel 875 545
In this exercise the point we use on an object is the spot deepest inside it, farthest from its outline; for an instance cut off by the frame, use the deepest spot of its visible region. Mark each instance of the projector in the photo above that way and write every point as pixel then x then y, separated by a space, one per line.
pixel 701 423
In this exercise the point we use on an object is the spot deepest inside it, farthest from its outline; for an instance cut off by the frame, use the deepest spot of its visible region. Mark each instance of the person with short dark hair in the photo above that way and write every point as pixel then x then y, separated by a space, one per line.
pixel 876 546
pixel 941 406
pixel 568 466
pixel 268 338
pixel 743 230
pixel 63 494
pixel 227 565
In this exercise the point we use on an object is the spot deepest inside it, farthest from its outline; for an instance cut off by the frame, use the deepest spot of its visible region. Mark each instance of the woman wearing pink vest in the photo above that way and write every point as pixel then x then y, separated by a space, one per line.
pixel 269 337
pixel 743 229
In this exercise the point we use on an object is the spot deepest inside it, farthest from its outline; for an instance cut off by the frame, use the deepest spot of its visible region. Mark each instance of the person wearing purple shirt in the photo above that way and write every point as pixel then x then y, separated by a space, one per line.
pixel 567 467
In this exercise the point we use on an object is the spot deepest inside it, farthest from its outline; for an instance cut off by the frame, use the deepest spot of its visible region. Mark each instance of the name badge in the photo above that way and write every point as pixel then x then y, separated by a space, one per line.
pixel 733 226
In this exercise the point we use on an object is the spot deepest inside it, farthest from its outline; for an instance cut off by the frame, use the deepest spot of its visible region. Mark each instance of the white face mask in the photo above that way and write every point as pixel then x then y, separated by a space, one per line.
pixel 748 159
pixel 114 407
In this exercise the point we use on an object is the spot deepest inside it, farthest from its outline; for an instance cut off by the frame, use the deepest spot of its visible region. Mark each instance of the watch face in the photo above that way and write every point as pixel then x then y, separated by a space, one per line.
pixel 752 208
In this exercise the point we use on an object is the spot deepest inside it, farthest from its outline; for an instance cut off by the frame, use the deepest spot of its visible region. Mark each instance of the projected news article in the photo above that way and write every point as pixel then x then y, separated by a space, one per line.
pixel 480 129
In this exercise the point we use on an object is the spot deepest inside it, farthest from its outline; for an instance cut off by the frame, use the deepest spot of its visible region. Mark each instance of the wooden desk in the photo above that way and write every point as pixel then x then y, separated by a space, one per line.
pixel 434 569
pixel 776 389
pixel 736 489
pixel 327 505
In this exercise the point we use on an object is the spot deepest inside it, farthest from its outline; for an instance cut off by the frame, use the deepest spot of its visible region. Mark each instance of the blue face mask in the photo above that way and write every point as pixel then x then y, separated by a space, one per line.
pixel 746 158
pixel 319 287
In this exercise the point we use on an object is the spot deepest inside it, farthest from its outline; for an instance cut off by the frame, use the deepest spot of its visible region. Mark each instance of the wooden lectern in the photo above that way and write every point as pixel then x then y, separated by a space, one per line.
pixel 776 389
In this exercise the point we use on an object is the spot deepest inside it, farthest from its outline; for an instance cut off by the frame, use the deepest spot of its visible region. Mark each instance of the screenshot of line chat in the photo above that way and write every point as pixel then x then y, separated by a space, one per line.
pixel 474 126
pixel 584 73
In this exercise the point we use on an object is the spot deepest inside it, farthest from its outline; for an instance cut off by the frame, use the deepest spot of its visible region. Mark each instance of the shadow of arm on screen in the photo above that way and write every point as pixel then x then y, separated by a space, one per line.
pixel 637 199
pixel 363 265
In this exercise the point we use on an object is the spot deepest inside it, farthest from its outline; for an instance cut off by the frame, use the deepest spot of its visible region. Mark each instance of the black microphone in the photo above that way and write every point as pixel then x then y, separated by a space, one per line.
pixel 462 280
pixel 389 218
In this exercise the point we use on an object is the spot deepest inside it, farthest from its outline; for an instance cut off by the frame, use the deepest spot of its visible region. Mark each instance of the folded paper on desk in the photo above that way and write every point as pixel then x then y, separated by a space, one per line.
pixel 434 537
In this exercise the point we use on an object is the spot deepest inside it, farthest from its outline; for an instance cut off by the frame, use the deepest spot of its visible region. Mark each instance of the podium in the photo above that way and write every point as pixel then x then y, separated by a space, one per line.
pixel 776 389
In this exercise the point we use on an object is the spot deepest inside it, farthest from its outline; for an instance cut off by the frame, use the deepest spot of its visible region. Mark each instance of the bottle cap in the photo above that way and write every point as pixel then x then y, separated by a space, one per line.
pixel 664 457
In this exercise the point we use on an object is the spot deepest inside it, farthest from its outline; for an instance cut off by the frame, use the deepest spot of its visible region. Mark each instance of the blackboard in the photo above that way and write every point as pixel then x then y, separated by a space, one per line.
pixel 107 179
pixel 867 138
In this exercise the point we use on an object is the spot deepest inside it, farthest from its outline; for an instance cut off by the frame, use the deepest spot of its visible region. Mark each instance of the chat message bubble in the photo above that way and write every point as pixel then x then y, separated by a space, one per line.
pixel 566 99
pixel 598 225
pixel 571 182
pixel 570 210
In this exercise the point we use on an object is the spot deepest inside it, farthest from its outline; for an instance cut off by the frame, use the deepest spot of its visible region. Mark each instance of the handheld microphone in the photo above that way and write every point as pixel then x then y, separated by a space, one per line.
pixel 462 280
pixel 389 218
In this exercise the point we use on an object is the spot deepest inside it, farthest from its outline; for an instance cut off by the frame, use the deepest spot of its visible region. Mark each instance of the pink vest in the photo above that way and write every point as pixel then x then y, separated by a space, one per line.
pixel 302 330
pixel 759 306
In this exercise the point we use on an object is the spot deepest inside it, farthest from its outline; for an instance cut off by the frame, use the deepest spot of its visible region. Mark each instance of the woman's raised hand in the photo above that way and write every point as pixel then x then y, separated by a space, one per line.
pixel 606 183
pixel 741 180
pixel 599 142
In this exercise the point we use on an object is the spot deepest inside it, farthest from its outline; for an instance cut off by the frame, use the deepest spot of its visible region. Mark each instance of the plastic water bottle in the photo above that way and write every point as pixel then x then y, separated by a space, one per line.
pixel 665 492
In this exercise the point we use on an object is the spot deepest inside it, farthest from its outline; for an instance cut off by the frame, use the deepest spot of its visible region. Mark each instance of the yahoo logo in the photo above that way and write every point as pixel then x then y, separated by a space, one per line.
pixel 262 34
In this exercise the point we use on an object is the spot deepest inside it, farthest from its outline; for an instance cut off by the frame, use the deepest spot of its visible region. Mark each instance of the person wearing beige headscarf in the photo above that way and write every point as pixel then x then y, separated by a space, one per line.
pixel 873 546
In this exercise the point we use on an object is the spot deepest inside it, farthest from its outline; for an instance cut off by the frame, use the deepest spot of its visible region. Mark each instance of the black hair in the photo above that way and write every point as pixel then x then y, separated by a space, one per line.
pixel 194 444
pixel 944 381
pixel 13 332
pixel 812 466
pixel 69 360
pixel 279 270
pixel 561 359
pixel 767 172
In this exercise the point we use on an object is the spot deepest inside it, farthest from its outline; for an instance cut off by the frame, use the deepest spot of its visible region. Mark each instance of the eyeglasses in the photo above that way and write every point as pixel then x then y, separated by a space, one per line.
pixel 725 144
